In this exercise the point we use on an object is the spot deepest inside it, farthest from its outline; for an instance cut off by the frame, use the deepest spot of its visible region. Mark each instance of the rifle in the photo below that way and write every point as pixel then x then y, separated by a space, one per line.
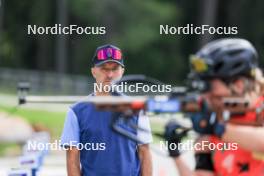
pixel 181 100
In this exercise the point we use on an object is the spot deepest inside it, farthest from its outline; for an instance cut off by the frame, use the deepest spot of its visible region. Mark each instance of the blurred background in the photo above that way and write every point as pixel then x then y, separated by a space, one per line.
pixel 60 64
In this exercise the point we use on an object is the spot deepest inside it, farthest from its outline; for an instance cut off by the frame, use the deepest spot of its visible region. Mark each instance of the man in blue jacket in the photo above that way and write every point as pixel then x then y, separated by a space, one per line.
pixel 92 147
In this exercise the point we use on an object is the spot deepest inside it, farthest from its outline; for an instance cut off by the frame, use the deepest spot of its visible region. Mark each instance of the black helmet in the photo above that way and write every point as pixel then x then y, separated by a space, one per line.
pixel 225 58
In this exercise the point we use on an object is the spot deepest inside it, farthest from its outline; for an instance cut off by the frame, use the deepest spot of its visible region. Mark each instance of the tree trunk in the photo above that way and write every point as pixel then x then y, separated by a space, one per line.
pixel 1 23
pixel 208 17
pixel 61 44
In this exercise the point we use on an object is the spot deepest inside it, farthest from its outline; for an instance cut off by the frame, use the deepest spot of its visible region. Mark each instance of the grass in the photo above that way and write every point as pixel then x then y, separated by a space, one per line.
pixel 9 149
pixel 52 120
pixel 156 128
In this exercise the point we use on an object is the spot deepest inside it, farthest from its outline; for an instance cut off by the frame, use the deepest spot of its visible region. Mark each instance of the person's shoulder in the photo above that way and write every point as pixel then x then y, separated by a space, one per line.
pixel 115 93
pixel 82 104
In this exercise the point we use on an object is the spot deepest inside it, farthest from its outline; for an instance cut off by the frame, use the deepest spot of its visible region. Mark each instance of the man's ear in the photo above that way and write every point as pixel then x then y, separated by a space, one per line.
pixel 240 87
pixel 93 72
pixel 123 70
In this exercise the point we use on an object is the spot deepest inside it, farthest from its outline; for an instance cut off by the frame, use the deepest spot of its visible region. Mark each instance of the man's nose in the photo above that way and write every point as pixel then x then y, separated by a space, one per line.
pixel 109 73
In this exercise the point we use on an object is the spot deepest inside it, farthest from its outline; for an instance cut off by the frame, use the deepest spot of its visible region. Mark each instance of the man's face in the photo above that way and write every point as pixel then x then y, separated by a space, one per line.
pixel 107 73
pixel 218 90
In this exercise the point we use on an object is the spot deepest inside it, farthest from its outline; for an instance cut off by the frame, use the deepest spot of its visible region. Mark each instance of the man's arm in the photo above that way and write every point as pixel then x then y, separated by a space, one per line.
pixel 204 165
pixel 184 169
pixel 145 160
pixel 73 162
pixel 69 140
pixel 248 137
pixel 143 148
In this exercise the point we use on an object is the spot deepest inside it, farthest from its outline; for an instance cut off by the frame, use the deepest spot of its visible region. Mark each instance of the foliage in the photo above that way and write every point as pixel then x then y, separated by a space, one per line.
pixel 133 25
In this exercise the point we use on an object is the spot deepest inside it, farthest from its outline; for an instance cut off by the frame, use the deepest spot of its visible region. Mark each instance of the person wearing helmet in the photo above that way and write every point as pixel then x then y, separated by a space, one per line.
pixel 229 68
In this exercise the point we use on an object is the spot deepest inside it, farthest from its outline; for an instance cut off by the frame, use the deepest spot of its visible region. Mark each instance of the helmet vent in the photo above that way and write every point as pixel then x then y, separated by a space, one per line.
pixel 233 53
pixel 237 65
pixel 218 66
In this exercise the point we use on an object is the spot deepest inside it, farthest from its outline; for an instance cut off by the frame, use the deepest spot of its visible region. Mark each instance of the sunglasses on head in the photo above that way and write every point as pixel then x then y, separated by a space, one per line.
pixel 107 53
